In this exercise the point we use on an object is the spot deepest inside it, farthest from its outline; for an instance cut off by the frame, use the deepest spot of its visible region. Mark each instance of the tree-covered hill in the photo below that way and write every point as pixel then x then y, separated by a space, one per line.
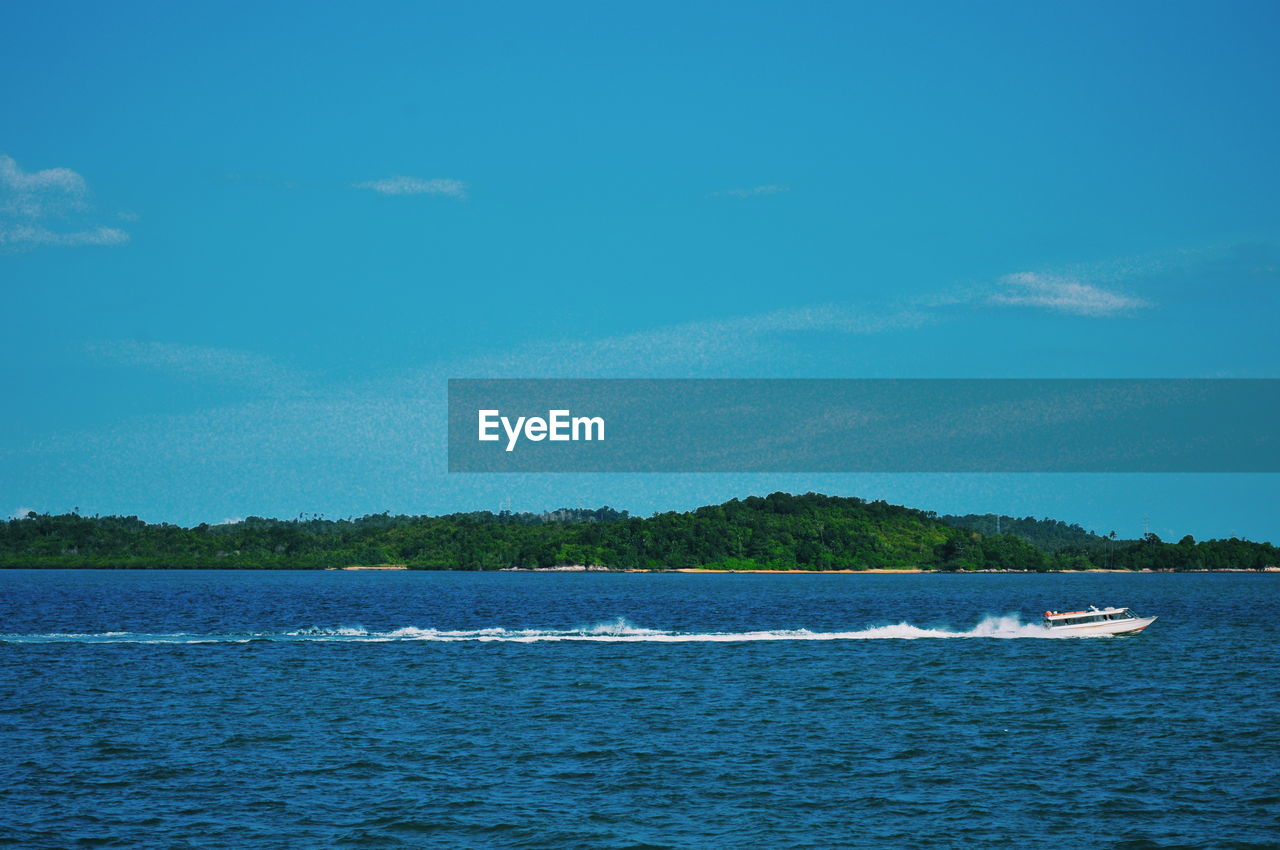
pixel 1048 535
pixel 780 531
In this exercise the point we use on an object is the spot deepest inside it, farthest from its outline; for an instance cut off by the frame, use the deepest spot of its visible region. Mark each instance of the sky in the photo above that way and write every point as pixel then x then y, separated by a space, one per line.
pixel 244 245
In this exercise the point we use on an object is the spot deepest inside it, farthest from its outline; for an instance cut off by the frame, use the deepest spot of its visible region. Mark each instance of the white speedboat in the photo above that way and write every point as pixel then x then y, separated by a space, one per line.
pixel 1096 621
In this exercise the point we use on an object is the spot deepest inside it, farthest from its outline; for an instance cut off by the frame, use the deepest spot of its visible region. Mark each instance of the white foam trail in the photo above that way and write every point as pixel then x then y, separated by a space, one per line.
pixel 340 631
pixel 613 631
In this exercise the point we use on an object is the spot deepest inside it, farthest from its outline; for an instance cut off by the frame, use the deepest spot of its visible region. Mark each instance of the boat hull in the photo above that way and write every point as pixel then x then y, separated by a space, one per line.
pixel 1106 627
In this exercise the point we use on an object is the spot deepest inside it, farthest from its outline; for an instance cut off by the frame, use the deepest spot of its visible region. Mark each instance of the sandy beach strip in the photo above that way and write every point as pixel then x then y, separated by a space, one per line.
pixel 792 572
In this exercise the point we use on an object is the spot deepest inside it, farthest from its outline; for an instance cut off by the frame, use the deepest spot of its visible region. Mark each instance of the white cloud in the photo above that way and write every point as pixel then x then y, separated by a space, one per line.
pixel 400 185
pixel 30 199
pixel 834 318
pixel 34 234
pixel 753 191
pixel 21 513
pixel 1063 294
pixel 40 193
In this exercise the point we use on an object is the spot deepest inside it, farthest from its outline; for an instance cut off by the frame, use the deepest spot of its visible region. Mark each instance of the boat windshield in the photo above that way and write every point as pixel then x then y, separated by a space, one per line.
pixel 1122 614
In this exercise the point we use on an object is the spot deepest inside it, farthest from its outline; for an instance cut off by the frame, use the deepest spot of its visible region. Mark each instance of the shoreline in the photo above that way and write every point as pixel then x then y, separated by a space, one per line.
pixel 372 567
pixel 685 570
pixel 873 571
pixel 876 571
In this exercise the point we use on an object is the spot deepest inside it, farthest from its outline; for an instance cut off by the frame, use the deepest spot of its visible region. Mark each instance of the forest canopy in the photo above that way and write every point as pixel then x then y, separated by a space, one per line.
pixel 779 531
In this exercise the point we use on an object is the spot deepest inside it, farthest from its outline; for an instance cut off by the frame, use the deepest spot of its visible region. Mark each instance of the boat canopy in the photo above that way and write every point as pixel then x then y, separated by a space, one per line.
pixel 1093 615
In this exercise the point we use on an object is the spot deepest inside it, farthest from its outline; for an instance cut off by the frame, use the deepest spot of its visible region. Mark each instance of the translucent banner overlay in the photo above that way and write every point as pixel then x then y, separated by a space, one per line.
pixel 864 425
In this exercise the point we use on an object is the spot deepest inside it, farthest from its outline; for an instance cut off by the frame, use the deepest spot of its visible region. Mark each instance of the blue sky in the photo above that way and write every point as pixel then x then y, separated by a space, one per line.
pixel 242 246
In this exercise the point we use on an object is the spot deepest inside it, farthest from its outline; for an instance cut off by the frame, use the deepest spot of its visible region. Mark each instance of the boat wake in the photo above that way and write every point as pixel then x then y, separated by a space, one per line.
pixel 613 631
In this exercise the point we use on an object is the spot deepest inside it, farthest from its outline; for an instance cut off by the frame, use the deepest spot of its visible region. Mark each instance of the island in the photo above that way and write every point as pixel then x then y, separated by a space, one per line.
pixel 780 532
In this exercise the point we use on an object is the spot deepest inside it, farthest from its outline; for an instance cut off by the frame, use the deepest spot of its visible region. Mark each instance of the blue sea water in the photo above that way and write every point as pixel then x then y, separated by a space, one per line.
pixel 391 709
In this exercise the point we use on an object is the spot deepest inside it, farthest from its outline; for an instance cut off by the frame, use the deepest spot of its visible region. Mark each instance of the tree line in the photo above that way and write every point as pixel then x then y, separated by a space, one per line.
pixel 779 531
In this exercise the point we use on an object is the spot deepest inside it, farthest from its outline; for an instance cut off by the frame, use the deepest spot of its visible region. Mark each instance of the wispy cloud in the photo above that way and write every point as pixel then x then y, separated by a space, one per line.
pixel 21 513
pixel 225 365
pixel 720 341
pixel 752 191
pixel 31 201
pixel 373 437
pixel 711 346
pixel 33 234
pixel 400 185
pixel 1061 294
pixel 38 194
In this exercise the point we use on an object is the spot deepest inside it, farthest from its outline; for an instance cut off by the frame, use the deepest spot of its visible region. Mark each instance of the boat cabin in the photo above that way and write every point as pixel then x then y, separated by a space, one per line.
pixel 1080 618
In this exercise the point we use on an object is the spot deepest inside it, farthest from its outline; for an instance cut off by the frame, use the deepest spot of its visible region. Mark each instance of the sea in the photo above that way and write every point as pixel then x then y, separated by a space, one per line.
pixel 260 709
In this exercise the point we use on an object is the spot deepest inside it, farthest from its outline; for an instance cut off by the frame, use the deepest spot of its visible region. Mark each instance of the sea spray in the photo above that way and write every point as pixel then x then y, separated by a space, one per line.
pixel 340 631
pixel 618 630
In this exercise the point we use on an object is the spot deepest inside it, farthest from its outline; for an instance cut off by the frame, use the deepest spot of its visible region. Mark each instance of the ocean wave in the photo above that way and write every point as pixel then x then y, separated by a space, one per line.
pixel 618 630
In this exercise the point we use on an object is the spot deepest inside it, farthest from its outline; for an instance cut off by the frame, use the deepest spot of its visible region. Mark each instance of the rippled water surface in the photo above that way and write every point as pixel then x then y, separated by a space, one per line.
pixel 384 709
